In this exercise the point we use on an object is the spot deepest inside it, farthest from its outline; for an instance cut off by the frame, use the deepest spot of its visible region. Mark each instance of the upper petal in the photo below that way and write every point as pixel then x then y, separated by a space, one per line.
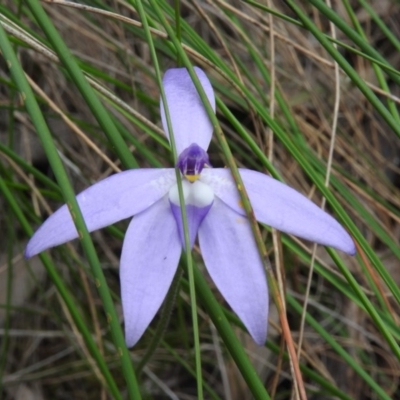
pixel 117 197
pixel 233 262
pixel 281 207
pixel 149 259
pixel 189 119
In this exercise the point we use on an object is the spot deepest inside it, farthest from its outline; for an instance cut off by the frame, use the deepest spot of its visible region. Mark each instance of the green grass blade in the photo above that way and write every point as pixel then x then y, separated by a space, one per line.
pixel 69 196
pixel 76 75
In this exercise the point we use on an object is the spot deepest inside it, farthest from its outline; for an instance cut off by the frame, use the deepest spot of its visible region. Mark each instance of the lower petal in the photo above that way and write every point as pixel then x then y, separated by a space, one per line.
pixel 234 264
pixel 149 259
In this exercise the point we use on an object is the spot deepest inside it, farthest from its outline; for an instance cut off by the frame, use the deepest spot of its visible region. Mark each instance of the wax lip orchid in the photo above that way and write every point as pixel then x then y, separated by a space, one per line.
pixel 154 239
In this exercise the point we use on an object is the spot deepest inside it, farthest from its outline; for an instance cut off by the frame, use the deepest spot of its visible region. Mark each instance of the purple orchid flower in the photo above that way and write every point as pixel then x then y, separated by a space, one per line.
pixel 154 239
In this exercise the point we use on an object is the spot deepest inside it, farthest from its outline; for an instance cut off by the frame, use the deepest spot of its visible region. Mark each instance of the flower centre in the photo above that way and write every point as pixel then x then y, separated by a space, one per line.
pixel 192 161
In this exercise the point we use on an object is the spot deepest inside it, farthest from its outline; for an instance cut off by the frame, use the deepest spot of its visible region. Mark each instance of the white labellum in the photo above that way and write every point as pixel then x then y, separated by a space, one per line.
pixel 196 194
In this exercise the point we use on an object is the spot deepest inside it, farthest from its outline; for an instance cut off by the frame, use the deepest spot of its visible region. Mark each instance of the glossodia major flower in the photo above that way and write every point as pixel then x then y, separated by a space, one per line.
pixel 154 239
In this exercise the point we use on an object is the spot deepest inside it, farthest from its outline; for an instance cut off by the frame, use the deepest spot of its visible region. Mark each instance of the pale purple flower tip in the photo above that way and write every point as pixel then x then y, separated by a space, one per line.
pixel 189 119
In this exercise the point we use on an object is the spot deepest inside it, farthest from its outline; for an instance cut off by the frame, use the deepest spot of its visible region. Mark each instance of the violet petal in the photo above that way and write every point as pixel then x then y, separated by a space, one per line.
pixel 115 198
pixel 232 260
pixel 149 259
pixel 195 216
pixel 198 200
pixel 281 207
pixel 189 119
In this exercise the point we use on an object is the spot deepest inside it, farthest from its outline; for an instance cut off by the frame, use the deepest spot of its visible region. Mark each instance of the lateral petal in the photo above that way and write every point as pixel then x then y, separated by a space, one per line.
pixel 115 198
pixel 189 119
pixel 149 259
pixel 232 260
pixel 281 207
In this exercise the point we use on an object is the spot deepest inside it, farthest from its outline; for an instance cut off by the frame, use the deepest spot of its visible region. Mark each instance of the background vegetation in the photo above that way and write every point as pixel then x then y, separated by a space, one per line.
pixel 307 92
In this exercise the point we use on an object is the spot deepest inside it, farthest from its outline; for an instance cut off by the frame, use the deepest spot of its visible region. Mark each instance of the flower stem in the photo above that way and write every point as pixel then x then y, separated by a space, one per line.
pixel 188 254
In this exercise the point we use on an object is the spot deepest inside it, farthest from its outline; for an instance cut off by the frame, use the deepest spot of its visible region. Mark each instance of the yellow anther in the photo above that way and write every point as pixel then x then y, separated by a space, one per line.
pixel 192 178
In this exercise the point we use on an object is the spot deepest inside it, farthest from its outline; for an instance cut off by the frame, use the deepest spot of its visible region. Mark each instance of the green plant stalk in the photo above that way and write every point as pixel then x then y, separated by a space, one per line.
pixel 64 294
pixel 188 253
pixel 69 196
pixel 187 64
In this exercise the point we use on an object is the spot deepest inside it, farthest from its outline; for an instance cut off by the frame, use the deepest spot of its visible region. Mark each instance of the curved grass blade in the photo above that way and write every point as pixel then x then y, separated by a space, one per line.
pixel 69 196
